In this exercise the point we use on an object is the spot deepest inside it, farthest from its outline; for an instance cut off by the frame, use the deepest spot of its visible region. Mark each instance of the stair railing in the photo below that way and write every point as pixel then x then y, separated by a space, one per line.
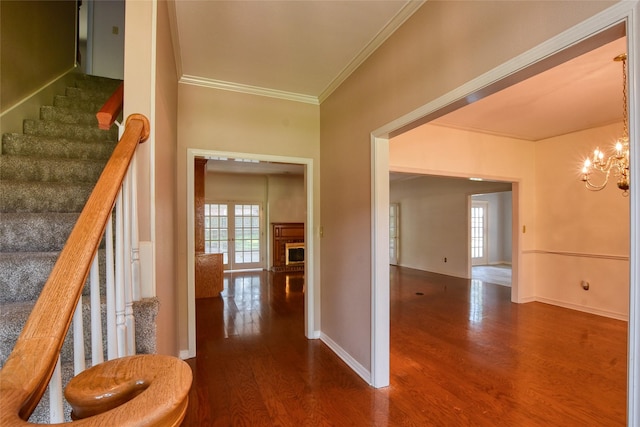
pixel 132 390
pixel 122 278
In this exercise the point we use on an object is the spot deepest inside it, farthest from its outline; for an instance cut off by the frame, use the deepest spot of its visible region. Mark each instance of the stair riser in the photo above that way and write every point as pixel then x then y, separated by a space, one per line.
pixel 29 145
pixel 68 131
pixel 19 168
pixel 43 197
pixel 35 232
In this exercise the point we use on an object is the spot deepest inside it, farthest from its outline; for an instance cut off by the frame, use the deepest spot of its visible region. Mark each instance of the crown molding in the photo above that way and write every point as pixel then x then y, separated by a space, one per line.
pixel 403 14
pixel 248 89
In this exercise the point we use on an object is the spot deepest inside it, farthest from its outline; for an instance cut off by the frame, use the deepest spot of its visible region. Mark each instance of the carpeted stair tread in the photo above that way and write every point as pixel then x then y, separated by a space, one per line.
pixel 22 168
pixel 96 95
pixel 29 269
pixel 69 131
pixel 18 144
pixel 35 232
pixel 18 196
pixel 68 116
pixel 76 103
pixel 97 83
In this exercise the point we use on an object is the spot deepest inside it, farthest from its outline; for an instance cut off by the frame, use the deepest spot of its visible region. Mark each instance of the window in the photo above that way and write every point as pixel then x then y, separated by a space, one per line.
pixel 236 236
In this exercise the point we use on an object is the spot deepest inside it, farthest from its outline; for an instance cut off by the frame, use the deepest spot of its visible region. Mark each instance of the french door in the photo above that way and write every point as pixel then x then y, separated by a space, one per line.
pixel 479 255
pixel 235 230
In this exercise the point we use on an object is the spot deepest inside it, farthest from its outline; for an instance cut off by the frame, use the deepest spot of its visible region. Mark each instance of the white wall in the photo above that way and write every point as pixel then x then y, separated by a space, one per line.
pixel 107 48
pixel 434 222
pixel 574 234
pixel 581 235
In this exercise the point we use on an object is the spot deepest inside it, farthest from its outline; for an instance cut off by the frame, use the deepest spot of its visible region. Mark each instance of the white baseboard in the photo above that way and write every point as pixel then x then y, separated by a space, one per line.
pixel 184 354
pixel 346 358
pixel 591 310
pixel 316 335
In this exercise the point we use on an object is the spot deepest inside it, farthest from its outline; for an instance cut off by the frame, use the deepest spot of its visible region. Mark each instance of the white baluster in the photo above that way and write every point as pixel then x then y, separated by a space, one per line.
pixel 97 351
pixel 56 414
pixel 78 340
pixel 135 241
pixel 120 293
pixel 128 282
pixel 112 345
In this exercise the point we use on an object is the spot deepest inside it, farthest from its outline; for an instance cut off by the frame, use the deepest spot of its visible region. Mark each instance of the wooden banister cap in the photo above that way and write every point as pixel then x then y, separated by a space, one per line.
pixel 146 127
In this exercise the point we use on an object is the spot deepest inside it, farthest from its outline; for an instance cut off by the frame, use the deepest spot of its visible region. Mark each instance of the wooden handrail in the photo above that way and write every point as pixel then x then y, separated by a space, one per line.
pixel 110 110
pixel 27 371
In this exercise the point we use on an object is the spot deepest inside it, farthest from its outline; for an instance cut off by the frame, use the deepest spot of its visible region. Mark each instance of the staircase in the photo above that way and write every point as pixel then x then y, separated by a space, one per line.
pixel 46 176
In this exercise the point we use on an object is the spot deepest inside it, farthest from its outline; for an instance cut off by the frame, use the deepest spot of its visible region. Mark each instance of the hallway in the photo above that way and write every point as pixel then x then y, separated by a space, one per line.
pixel 461 354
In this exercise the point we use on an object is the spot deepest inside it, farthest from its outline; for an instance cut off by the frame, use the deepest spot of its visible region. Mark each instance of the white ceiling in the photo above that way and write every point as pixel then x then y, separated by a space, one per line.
pixel 579 94
pixel 302 50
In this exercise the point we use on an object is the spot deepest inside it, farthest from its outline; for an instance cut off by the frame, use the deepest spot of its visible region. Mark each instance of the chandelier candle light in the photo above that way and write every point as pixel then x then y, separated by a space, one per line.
pixel 618 162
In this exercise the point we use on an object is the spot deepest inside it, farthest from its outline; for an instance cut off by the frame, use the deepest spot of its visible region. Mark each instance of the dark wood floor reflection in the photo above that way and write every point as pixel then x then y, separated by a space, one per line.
pixel 461 355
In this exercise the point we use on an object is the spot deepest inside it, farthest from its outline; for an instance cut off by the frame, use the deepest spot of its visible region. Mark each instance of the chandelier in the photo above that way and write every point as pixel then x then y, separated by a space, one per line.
pixel 616 163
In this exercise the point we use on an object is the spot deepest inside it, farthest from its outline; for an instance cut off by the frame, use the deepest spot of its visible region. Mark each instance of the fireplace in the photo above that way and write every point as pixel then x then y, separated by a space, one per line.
pixel 294 253
pixel 288 246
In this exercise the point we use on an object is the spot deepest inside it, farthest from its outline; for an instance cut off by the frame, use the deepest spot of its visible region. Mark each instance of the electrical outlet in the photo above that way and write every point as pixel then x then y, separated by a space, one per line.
pixel 445 259
pixel 115 30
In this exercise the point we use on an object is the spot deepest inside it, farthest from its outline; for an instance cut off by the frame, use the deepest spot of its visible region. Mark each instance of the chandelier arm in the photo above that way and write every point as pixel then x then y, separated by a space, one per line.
pixel 619 160
pixel 588 183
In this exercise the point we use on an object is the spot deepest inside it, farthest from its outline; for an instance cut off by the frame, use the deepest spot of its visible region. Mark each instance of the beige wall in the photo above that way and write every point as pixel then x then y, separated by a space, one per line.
pixel 210 119
pixel 166 135
pixel 283 198
pixel 37 45
pixel 443 45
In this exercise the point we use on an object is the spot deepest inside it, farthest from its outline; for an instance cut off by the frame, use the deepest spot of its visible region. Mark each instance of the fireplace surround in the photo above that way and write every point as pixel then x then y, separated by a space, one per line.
pixel 288 246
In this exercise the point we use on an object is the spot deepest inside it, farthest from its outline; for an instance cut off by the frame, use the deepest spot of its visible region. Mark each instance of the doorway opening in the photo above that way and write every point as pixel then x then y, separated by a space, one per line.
pixel 491 237
pixel 583 38
pixel 311 298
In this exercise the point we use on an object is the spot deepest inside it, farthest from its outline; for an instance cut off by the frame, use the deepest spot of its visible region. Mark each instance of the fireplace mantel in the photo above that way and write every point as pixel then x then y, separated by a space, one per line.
pixel 286 233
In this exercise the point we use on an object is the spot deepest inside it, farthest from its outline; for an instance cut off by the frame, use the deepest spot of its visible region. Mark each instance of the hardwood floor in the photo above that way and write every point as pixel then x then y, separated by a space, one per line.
pixel 461 355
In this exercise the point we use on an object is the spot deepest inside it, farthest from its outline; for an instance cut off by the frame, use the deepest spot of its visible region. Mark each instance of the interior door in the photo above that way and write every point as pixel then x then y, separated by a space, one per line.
pixel 235 230
pixel 479 255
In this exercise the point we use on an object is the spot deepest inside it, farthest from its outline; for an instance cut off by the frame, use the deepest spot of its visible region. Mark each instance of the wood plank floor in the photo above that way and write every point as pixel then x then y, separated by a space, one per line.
pixel 461 355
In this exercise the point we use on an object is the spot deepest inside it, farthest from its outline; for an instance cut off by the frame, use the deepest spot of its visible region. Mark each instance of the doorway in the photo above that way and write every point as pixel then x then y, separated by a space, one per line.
pixel 479 232
pixel 311 294
pixel 380 198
